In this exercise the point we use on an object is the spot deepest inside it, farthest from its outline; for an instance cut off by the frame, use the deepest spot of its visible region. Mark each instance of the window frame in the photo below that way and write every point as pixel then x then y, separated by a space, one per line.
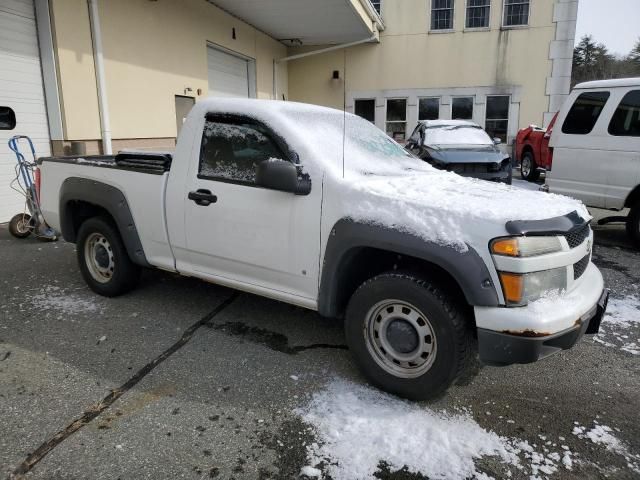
pixel 573 104
pixel 368 99
pixel 406 116
pixel 466 16
pixel 426 98
pixel 232 119
pixel 486 110
pixel 518 25
pixel 431 18
pixel 634 90
pixel 473 108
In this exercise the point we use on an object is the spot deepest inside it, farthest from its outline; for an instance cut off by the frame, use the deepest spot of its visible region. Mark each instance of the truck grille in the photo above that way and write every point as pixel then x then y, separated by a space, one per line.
pixel 576 236
pixel 580 266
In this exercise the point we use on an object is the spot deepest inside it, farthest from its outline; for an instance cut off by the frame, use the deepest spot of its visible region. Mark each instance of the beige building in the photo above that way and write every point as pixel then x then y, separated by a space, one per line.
pixel 100 75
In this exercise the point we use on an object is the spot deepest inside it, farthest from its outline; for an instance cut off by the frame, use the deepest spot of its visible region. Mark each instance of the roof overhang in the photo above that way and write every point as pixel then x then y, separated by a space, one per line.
pixel 307 22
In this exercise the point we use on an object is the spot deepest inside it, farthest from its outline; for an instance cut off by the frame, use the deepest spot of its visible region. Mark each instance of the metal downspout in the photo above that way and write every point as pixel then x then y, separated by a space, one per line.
pixel 98 60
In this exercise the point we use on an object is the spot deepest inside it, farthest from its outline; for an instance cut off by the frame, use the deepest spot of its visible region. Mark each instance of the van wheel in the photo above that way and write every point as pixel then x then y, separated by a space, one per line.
pixel 103 259
pixel 407 336
pixel 528 167
pixel 633 224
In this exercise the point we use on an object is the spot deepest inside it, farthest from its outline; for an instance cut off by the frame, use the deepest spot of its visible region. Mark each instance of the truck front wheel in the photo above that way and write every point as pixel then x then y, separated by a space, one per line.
pixel 528 167
pixel 407 336
pixel 103 258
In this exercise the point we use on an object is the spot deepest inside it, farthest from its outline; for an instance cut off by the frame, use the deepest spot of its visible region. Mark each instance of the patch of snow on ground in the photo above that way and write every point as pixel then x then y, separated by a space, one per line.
pixel 358 427
pixel 603 435
pixel 620 327
pixel 55 298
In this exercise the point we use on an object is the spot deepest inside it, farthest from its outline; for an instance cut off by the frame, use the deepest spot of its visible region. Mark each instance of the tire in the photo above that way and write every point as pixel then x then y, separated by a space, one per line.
pixel 633 225
pixel 529 167
pixel 406 314
pixel 103 259
pixel 19 225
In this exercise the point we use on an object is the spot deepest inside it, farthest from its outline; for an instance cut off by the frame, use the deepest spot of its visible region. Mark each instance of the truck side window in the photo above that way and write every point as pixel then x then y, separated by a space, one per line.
pixel 584 113
pixel 7 118
pixel 232 150
pixel 626 120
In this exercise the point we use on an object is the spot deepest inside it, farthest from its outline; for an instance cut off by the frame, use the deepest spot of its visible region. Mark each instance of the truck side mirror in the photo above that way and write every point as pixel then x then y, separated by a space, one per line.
pixel 282 175
pixel 7 118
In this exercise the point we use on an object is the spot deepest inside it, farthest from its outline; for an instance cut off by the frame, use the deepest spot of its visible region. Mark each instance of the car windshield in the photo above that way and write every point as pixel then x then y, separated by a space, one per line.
pixel 452 134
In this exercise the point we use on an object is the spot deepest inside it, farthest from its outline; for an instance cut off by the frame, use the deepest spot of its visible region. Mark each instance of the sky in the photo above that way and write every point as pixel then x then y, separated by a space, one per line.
pixel 616 23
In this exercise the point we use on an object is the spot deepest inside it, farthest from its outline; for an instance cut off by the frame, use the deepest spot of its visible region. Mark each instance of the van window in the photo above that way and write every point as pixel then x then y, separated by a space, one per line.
pixel 626 120
pixel 584 113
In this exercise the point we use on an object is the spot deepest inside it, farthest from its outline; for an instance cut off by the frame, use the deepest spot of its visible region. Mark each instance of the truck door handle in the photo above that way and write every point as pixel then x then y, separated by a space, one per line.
pixel 202 197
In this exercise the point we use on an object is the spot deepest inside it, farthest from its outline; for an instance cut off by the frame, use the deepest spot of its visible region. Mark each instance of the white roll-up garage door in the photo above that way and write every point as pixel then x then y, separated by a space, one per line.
pixel 228 74
pixel 21 90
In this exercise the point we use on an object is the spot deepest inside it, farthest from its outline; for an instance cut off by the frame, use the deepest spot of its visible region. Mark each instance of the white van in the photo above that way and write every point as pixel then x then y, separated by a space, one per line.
pixel 596 148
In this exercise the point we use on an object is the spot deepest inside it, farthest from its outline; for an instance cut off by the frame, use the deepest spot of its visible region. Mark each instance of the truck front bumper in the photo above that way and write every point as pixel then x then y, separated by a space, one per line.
pixel 518 335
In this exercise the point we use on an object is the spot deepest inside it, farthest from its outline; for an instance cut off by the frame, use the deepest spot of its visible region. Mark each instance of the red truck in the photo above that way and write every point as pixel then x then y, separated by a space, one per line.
pixel 532 150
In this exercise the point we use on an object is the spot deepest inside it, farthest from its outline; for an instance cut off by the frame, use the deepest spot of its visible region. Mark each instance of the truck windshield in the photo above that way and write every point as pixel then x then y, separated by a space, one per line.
pixel 365 149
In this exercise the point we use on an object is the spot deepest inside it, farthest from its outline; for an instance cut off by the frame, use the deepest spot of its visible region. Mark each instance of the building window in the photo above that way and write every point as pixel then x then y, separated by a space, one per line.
pixel 497 117
pixel 516 13
pixel 376 5
pixel 462 108
pixel 429 108
pixel 366 109
pixel 441 14
pixel 397 118
pixel 585 113
pixel 478 13
pixel 626 120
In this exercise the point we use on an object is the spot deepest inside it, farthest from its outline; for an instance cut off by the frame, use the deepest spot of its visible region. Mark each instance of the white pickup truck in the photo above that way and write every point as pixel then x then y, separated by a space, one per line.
pixel 320 209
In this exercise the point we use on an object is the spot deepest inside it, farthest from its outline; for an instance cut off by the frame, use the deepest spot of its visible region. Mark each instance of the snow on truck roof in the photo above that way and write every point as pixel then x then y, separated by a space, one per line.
pixel 618 82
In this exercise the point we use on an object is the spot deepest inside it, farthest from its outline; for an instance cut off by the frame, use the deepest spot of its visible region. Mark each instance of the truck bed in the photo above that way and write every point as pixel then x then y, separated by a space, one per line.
pixel 140 176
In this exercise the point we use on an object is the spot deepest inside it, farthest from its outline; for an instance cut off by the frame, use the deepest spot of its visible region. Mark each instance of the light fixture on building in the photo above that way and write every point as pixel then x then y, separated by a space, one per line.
pixel 336 75
pixel 188 90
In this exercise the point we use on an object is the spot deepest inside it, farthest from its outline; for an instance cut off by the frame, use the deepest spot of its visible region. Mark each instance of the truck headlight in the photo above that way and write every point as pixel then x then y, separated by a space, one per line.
pixel 525 246
pixel 522 288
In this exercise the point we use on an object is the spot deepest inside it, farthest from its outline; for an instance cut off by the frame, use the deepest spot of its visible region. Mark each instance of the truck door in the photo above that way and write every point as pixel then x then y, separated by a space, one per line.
pixel 244 235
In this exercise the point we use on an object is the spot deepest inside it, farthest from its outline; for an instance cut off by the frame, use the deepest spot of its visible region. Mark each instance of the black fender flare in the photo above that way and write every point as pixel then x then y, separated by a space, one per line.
pixel 110 199
pixel 467 268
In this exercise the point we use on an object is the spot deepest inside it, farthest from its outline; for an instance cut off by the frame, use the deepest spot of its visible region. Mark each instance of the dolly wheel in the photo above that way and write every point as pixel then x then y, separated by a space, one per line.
pixel 20 225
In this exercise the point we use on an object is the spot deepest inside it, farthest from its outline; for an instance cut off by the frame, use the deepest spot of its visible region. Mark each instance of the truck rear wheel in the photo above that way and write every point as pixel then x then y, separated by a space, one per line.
pixel 407 336
pixel 633 224
pixel 528 167
pixel 103 258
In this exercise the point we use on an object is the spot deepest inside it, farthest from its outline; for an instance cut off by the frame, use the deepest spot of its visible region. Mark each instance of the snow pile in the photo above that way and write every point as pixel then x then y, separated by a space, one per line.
pixel 399 433
pixel 54 298
pixel 603 435
pixel 621 325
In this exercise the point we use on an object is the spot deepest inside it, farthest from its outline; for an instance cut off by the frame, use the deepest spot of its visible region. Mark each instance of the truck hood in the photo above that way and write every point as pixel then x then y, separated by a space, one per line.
pixel 475 154
pixel 448 209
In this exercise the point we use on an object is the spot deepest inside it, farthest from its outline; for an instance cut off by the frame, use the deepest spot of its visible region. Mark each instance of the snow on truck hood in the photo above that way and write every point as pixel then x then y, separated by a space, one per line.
pixel 379 182
pixel 448 209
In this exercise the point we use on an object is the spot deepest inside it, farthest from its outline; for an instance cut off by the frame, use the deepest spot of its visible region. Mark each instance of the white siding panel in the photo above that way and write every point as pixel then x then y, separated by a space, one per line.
pixel 228 74
pixel 21 89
